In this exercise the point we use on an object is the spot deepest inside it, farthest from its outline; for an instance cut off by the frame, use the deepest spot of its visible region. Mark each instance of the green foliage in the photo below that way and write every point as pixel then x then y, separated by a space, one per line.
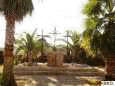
pixel 92 7
pixel 75 37
pixel 98 7
pixel 30 43
pixel 108 38
pixel 100 23
pixel 95 41
pixel 27 44
pixel 45 44
pixel 90 23
pixel 86 40
pixel 0 78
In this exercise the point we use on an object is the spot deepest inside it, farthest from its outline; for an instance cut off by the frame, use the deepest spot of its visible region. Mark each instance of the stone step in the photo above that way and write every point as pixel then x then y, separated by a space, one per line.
pixel 38 70
pixel 55 69
pixel 59 73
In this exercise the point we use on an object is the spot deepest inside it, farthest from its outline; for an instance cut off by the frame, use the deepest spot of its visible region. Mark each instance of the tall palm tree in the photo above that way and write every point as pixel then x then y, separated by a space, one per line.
pixel 14 10
pixel 100 24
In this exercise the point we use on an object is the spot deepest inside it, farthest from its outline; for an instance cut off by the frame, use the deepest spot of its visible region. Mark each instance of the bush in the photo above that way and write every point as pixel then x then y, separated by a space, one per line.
pixel 67 59
pixel 96 61
pixel 1 57
pixel 1 81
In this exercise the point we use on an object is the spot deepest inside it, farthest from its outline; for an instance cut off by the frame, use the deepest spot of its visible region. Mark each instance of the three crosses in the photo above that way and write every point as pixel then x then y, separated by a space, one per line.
pixel 54 33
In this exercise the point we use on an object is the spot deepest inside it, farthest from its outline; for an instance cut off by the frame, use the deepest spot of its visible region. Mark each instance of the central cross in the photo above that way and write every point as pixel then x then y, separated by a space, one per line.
pixel 55 33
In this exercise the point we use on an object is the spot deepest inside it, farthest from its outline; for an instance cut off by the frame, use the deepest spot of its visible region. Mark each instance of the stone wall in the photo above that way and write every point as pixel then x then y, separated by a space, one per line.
pixel 55 58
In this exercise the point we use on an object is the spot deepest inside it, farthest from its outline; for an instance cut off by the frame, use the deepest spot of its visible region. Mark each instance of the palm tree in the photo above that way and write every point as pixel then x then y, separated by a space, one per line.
pixel 14 10
pixel 44 45
pixel 86 41
pixel 73 46
pixel 75 37
pixel 44 49
pixel 100 24
pixel 28 46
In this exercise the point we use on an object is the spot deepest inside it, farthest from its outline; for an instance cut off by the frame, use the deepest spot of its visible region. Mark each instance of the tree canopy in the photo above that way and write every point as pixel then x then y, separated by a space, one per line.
pixel 100 24
pixel 18 8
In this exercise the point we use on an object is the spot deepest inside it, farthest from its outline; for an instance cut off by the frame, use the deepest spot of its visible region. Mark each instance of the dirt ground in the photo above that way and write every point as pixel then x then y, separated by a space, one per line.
pixel 60 80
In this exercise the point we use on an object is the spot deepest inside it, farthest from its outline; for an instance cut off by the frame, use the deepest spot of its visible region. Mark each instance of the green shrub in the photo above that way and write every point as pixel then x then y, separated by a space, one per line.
pixel 1 80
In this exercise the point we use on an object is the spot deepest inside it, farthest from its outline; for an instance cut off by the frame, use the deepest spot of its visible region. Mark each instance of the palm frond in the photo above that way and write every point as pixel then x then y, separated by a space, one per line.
pixel 18 8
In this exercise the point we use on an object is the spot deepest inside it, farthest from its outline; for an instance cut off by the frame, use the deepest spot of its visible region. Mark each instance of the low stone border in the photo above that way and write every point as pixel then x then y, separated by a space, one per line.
pixel 57 71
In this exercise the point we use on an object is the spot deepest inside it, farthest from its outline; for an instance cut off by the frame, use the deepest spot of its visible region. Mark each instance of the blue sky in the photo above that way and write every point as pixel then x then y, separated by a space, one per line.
pixel 47 14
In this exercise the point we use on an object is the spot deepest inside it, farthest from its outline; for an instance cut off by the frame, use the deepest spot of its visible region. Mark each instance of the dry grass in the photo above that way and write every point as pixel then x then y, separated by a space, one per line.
pixel 1 68
pixel 92 81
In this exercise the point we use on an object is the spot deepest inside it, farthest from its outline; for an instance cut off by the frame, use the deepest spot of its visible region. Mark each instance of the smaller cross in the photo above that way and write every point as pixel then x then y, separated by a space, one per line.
pixel 67 36
pixel 42 38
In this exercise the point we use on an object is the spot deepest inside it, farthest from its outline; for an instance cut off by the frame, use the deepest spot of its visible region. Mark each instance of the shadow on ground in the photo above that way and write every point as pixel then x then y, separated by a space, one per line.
pixel 59 80
pixel 75 75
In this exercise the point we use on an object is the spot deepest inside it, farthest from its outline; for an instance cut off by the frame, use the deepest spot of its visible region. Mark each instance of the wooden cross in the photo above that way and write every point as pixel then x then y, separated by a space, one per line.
pixel 67 37
pixel 55 33
pixel 42 38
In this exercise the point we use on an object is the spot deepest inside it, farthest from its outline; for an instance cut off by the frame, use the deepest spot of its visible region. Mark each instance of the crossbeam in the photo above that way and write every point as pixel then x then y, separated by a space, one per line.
pixel 55 33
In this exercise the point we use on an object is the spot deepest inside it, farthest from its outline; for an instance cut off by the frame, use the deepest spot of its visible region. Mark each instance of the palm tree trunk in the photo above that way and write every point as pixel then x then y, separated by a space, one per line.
pixel 8 75
pixel 30 57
